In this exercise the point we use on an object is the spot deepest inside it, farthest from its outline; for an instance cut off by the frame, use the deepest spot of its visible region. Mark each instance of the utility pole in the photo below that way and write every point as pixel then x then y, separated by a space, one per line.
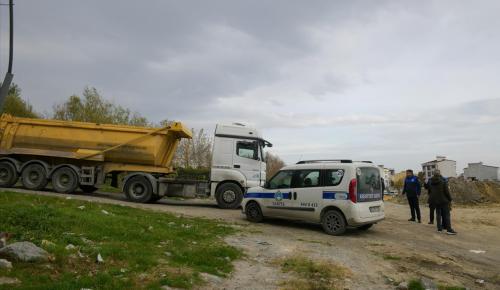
pixel 4 90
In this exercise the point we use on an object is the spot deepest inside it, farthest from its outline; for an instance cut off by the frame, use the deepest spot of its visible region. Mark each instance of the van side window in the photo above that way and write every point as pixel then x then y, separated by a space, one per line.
pixel 333 177
pixel 281 180
pixel 306 178
pixel 246 149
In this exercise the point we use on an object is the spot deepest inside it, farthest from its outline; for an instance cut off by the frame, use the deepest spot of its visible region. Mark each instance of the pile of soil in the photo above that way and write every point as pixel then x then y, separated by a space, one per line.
pixel 466 192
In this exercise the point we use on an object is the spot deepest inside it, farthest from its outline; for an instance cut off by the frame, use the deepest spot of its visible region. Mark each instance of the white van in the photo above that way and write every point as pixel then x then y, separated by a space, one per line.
pixel 336 193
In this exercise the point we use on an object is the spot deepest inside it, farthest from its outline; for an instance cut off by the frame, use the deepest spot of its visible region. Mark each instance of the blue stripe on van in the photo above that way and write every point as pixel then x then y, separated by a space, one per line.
pixel 286 195
pixel 335 195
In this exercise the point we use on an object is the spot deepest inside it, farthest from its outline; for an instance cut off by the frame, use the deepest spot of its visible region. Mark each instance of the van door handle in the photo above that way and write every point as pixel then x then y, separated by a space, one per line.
pixel 294 195
pixel 237 166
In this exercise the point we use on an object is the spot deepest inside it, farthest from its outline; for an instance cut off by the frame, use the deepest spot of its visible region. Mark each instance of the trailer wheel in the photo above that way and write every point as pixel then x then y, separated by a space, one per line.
pixel 88 188
pixel 229 195
pixel 333 222
pixel 8 174
pixel 138 189
pixel 34 177
pixel 65 180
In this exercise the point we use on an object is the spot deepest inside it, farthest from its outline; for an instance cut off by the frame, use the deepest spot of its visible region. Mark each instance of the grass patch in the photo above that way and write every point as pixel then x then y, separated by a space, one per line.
pixel 391 257
pixel 415 285
pixel 309 274
pixel 141 249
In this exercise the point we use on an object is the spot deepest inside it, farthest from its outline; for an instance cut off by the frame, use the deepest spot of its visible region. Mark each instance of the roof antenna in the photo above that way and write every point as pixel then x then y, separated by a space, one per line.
pixel 4 90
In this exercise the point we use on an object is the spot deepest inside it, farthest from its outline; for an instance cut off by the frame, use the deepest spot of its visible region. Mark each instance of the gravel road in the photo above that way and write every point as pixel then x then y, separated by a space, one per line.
pixel 392 251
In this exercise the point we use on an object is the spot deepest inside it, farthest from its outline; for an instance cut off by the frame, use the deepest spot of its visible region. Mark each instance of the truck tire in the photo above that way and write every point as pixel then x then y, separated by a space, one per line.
pixel 88 188
pixel 8 174
pixel 254 212
pixel 333 222
pixel 34 177
pixel 138 189
pixel 229 196
pixel 65 180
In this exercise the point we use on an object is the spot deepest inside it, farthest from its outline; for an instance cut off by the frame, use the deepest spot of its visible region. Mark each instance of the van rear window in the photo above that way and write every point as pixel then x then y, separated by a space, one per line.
pixel 369 184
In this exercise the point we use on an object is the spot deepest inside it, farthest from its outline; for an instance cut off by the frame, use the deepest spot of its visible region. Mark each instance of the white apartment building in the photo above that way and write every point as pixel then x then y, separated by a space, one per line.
pixel 479 171
pixel 448 168
pixel 387 175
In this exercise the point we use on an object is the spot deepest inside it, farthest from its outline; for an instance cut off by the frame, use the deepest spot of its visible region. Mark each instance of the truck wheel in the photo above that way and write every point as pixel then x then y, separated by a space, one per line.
pixel 253 212
pixel 333 223
pixel 34 177
pixel 8 174
pixel 88 188
pixel 138 189
pixel 229 195
pixel 64 180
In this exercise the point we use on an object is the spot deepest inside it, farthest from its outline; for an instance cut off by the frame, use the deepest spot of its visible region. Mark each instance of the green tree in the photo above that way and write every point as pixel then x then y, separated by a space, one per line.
pixel 16 106
pixel 92 107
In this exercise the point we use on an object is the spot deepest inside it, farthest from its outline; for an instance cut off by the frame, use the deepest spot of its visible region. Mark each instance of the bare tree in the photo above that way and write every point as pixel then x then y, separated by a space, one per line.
pixel 195 152
pixel 274 164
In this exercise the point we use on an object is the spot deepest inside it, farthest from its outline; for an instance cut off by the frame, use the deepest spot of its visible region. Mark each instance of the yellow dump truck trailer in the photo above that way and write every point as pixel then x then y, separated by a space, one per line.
pixel 77 154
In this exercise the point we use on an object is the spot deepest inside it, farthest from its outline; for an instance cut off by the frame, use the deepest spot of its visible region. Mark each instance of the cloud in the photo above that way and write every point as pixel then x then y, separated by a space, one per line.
pixel 395 82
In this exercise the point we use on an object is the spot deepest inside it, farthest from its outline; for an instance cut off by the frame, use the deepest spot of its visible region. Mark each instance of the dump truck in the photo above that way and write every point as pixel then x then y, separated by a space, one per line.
pixel 72 155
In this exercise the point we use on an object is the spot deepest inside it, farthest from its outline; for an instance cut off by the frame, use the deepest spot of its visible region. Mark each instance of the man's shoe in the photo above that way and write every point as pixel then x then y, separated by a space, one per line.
pixel 411 220
pixel 419 221
pixel 431 223
pixel 440 231
pixel 451 232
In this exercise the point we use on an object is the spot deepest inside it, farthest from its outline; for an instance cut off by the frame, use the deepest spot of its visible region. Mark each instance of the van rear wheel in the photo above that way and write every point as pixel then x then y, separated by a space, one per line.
pixel 34 177
pixel 229 196
pixel 138 189
pixel 333 222
pixel 8 174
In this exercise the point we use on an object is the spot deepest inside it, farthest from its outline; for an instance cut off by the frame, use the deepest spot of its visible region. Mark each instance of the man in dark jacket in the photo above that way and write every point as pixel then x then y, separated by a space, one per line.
pixel 439 196
pixel 412 190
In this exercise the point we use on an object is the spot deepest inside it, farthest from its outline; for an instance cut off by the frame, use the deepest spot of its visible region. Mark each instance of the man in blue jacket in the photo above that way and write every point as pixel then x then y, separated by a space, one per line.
pixel 412 190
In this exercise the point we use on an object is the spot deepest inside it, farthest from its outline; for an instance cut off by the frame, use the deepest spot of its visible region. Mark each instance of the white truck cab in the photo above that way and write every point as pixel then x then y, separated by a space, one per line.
pixel 336 193
pixel 238 163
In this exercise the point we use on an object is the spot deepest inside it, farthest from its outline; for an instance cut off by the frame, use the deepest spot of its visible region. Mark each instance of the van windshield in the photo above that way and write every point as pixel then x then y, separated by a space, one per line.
pixel 369 184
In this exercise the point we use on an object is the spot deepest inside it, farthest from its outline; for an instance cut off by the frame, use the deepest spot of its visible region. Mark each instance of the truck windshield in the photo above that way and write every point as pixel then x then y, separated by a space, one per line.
pixel 369 184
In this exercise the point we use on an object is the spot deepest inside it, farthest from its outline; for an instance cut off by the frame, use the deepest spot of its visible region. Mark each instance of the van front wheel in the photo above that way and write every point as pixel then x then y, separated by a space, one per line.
pixel 333 223
pixel 229 195
pixel 253 212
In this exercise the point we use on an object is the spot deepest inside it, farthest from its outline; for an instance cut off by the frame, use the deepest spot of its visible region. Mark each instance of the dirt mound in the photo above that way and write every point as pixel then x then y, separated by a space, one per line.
pixel 466 192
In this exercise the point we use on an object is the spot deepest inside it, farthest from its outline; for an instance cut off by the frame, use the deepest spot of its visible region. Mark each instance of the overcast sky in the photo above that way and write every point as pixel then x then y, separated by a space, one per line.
pixel 396 82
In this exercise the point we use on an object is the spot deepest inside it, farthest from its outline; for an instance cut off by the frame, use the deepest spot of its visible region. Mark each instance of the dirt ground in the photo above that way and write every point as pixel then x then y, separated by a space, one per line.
pixel 392 251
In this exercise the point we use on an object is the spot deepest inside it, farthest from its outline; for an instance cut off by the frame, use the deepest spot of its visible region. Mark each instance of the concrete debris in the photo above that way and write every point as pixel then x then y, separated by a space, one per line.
pixel 24 252
pixel 477 251
pixel 99 259
pixel 9 281
pixel 4 264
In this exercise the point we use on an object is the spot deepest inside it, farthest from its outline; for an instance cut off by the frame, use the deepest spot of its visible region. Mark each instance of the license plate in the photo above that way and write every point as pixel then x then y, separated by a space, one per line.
pixel 374 208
